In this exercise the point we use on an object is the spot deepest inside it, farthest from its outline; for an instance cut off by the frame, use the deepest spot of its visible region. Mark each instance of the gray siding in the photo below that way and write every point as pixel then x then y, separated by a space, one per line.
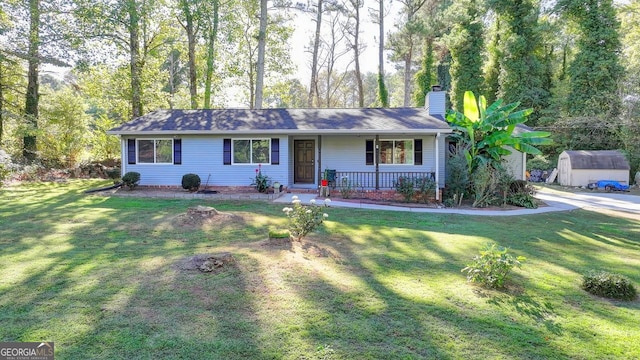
pixel 203 155
pixel 515 164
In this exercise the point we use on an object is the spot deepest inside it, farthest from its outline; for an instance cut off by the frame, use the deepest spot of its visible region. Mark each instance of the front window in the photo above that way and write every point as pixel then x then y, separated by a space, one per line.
pixel 155 151
pixel 251 151
pixel 396 152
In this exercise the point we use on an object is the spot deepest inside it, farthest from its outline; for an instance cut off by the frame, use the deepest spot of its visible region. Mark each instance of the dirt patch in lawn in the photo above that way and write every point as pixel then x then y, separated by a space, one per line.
pixel 199 216
pixel 208 263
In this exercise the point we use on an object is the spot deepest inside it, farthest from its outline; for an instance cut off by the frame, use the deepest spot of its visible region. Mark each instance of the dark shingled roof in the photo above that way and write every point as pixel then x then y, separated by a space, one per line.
pixel 597 159
pixel 388 120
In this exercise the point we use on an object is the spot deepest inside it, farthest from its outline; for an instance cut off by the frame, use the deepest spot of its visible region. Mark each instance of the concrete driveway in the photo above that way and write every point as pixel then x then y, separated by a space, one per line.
pixel 616 201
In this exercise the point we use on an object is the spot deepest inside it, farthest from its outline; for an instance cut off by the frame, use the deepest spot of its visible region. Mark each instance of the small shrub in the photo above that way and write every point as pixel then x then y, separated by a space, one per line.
pixel 609 285
pixel 425 188
pixel 458 182
pixel 521 194
pixel 131 179
pixel 485 185
pixel 539 162
pixel 191 182
pixel 346 187
pixel 492 266
pixel 304 219
pixel 261 181
pixel 406 187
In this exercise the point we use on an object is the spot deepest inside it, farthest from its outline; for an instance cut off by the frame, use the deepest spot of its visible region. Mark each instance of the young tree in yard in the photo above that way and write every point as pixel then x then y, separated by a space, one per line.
pixel 63 127
pixel 485 131
pixel 465 43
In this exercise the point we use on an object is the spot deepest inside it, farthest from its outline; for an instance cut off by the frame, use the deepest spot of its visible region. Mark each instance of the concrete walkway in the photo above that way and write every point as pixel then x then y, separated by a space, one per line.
pixel 555 200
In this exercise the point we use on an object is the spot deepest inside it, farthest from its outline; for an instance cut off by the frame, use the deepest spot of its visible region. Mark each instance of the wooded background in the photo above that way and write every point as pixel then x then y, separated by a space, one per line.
pixel 575 62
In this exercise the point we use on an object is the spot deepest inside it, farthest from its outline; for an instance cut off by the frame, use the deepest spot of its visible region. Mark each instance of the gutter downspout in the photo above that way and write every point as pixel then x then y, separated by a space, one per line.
pixel 376 149
pixel 437 172
pixel 524 166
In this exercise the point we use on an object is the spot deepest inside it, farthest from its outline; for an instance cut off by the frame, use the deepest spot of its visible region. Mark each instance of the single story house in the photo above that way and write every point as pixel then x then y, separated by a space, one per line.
pixel 368 148
pixel 582 167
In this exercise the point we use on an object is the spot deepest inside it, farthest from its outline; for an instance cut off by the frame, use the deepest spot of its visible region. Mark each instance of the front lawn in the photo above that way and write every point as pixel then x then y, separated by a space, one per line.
pixel 100 277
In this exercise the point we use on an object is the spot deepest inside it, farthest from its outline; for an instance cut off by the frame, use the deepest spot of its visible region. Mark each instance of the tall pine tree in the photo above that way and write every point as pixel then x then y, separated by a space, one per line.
pixel 465 43
pixel 596 69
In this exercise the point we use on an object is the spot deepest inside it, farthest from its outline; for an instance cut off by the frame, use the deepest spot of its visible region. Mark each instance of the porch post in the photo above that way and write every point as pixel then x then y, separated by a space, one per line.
pixel 319 159
pixel 437 172
pixel 377 160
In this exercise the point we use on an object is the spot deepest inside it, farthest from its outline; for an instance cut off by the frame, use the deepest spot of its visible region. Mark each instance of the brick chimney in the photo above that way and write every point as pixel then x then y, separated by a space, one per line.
pixel 436 101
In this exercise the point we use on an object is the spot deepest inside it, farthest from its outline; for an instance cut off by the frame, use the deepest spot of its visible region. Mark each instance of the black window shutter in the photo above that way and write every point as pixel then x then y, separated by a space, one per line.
pixel 417 152
pixel 131 151
pixel 226 152
pixel 177 151
pixel 275 151
pixel 369 152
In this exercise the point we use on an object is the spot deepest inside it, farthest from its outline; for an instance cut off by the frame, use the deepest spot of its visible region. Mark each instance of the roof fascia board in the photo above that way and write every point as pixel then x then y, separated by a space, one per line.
pixel 287 132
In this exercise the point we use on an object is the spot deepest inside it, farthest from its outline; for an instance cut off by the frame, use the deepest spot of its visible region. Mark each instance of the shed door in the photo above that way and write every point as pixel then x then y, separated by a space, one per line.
pixel 304 161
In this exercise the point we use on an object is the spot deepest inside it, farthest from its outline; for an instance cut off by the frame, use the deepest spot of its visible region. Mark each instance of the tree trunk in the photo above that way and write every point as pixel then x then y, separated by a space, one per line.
pixel 134 59
pixel 191 46
pixel 32 95
pixel 382 88
pixel 356 55
pixel 262 39
pixel 407 78
pixel 213 35
pixel 1 97
pixel 313 87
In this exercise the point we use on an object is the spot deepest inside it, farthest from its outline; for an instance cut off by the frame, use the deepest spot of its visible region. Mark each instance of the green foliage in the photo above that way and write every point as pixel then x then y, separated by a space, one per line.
pixel 458 181
pixel 62 128
pixel 521 194
pixel 423 77
pixel 519 52
pixel 596 68
pixel 347 188
pixel 279 234
pixel 492 267
pixel 540 162
pixel 102 145
pixel 609 285
pixel 487 131
pixel 131 179
pixel 261 181
pixel 485 186
pixel 425 188
pixel 466 45
pixel 383 93
pixel 406 187
pixel 191 182
pixel 304 219
pixel 415 188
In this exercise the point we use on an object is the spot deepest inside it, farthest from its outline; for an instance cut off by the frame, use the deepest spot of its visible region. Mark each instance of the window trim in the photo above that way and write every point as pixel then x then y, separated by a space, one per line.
pixel 251 163
pixel 154 151
pixel 411 156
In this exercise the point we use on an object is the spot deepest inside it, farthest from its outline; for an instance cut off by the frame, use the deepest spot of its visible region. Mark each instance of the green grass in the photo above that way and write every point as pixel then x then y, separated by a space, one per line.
pixel 98 276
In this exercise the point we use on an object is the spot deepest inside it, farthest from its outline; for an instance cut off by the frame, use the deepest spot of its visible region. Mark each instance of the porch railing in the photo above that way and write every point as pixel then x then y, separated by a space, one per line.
pixel 367 179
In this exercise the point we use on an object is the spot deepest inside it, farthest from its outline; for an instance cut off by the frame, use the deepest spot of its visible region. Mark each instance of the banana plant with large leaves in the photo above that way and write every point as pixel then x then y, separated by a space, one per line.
pixel 489 132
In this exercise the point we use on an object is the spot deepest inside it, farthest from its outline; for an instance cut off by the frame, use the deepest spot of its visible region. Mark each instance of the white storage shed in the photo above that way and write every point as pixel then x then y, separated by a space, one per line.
pixel 582 167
